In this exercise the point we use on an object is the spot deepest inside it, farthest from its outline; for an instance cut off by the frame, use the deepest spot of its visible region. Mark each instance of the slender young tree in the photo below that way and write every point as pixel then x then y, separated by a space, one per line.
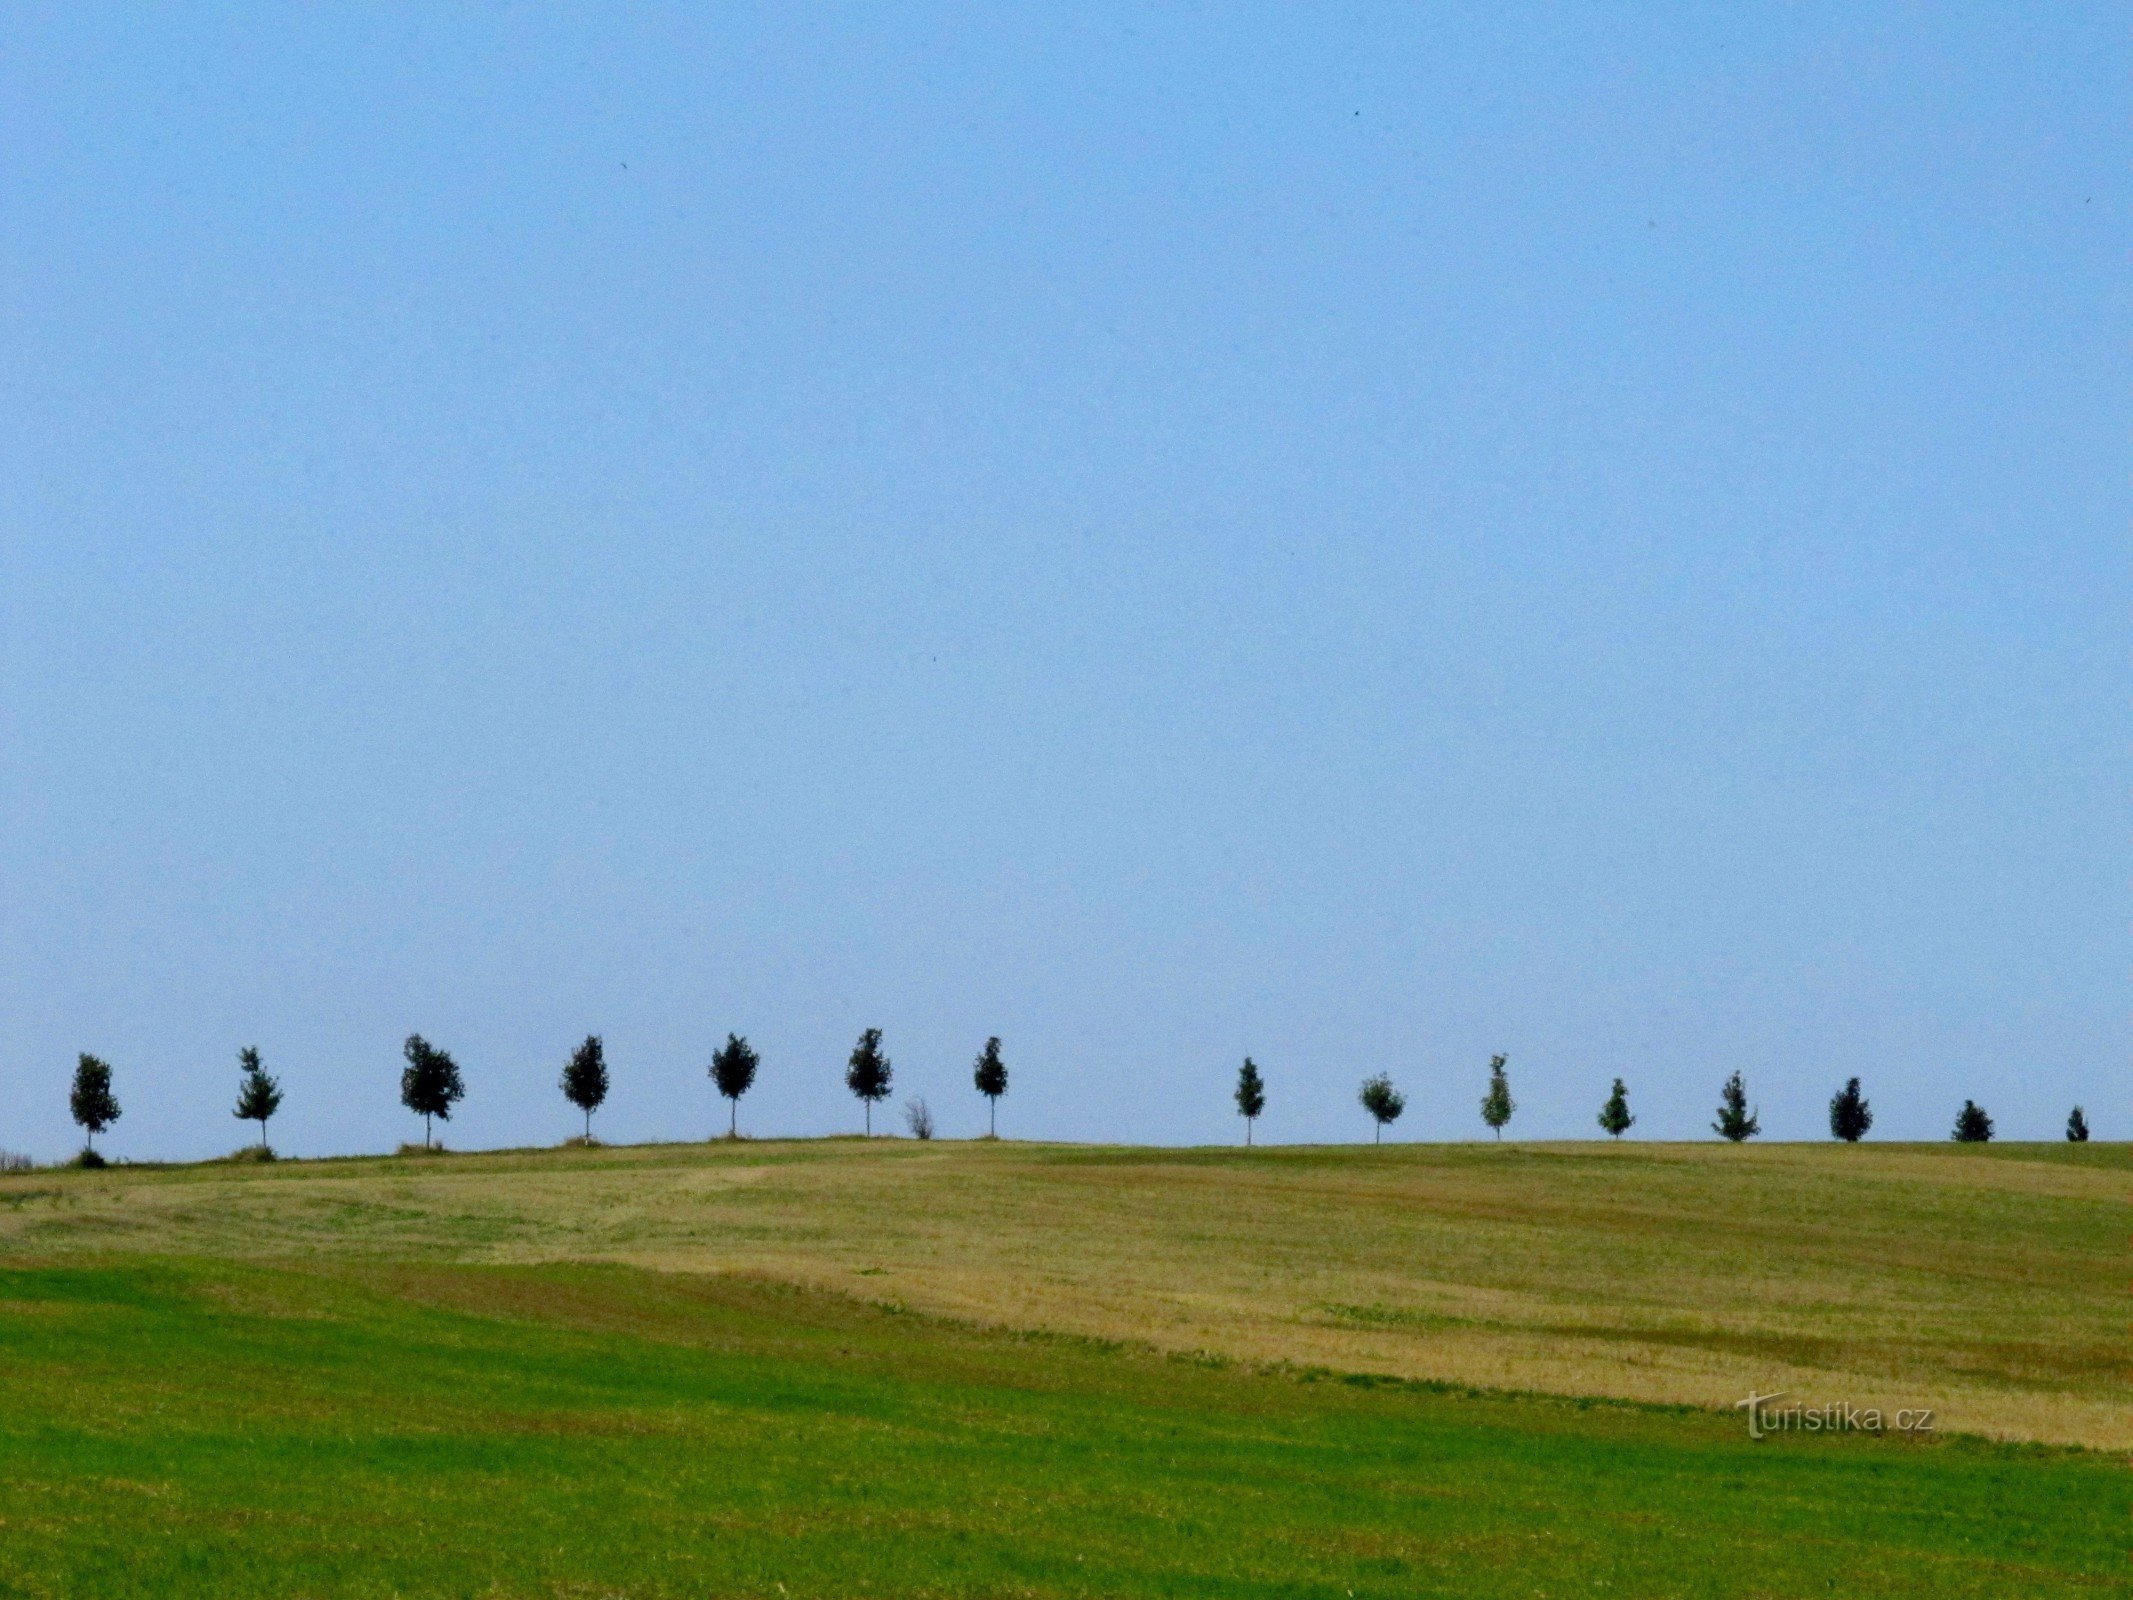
pixel 1972 1126
pixel 2077 1127
pixel 733 1067
pixel 868 1073
pixel 584 1081
pixel 1383 1102
pixel 1251 1096
pixel 1849 1114
pixel 94 1106
pixel 430 1084
pixel 989 1073
pixel 1497 1105
pixel 258 1096
pixel 1735 1120
pixel 1614 1116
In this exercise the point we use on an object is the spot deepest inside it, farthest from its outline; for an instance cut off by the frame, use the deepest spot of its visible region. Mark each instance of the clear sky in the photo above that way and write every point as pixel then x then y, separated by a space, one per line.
pixel 1368 536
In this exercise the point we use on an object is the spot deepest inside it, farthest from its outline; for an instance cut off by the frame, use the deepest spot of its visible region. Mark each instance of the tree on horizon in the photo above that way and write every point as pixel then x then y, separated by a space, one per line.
pixel 1383 1102
pixel 989 1073
pixel 1497 1105
pixel 733 1067
pixel 94 1106
pixel 868 1073
pixel 430 1084
pixel 1251 1097
pixel 2077 1127
pixel 1849 1114
pixel 1614 1116
pixel 1735 1120
pixel 259 1096
pixel 1972 1126
pixel 584 1081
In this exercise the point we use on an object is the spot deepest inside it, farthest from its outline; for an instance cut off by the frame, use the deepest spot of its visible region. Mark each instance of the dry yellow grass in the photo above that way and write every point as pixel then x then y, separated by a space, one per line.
pixel 1987 1284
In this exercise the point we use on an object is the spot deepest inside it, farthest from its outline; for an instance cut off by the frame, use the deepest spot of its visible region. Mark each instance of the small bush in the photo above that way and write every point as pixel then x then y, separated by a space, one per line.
pixel 89 1159
pixel 919 1119
pixel 582 1141
pixel 421 1150
pixel 252 1153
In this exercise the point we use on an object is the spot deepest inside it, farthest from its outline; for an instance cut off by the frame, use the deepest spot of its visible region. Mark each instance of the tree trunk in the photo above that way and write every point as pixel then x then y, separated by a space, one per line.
pixel 870 1117
pixel 1247 1133
pixel 1378 1135
pixel 425 1130
pixel 588 1127
pixel 733 1117
pixel 262 1133
pixel 992 1115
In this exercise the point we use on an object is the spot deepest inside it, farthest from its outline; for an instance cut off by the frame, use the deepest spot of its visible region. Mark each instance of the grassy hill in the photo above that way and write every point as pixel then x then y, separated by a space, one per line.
pixel 1987 1283
pixel 986 1369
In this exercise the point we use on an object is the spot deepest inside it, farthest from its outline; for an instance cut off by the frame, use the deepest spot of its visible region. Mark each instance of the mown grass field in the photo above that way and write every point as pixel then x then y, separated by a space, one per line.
pixel 841 1368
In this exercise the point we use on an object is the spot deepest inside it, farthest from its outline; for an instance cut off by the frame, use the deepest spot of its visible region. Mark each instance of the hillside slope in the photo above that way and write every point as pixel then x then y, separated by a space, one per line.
pixel 1986 1284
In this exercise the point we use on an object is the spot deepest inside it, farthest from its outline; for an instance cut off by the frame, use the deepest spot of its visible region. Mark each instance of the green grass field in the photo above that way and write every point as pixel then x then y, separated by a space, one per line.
pixel 838 1368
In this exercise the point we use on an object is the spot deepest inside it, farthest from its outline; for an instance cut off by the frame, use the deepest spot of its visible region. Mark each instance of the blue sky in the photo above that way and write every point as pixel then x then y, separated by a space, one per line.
pixel 1368 536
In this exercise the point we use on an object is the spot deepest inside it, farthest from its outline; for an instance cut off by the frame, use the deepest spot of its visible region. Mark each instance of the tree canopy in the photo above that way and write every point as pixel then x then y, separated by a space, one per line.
pixel 1251 1096
pixel 868 1074
pixel 258 1095
pixel 1497 1105
pixel 733 1067
pixel 584 1082
pixel 430 1084
pixel 94 1106
pixel 1735 1120
pixel 1849 1114
pixel 989 1073
pixel 1382 1101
